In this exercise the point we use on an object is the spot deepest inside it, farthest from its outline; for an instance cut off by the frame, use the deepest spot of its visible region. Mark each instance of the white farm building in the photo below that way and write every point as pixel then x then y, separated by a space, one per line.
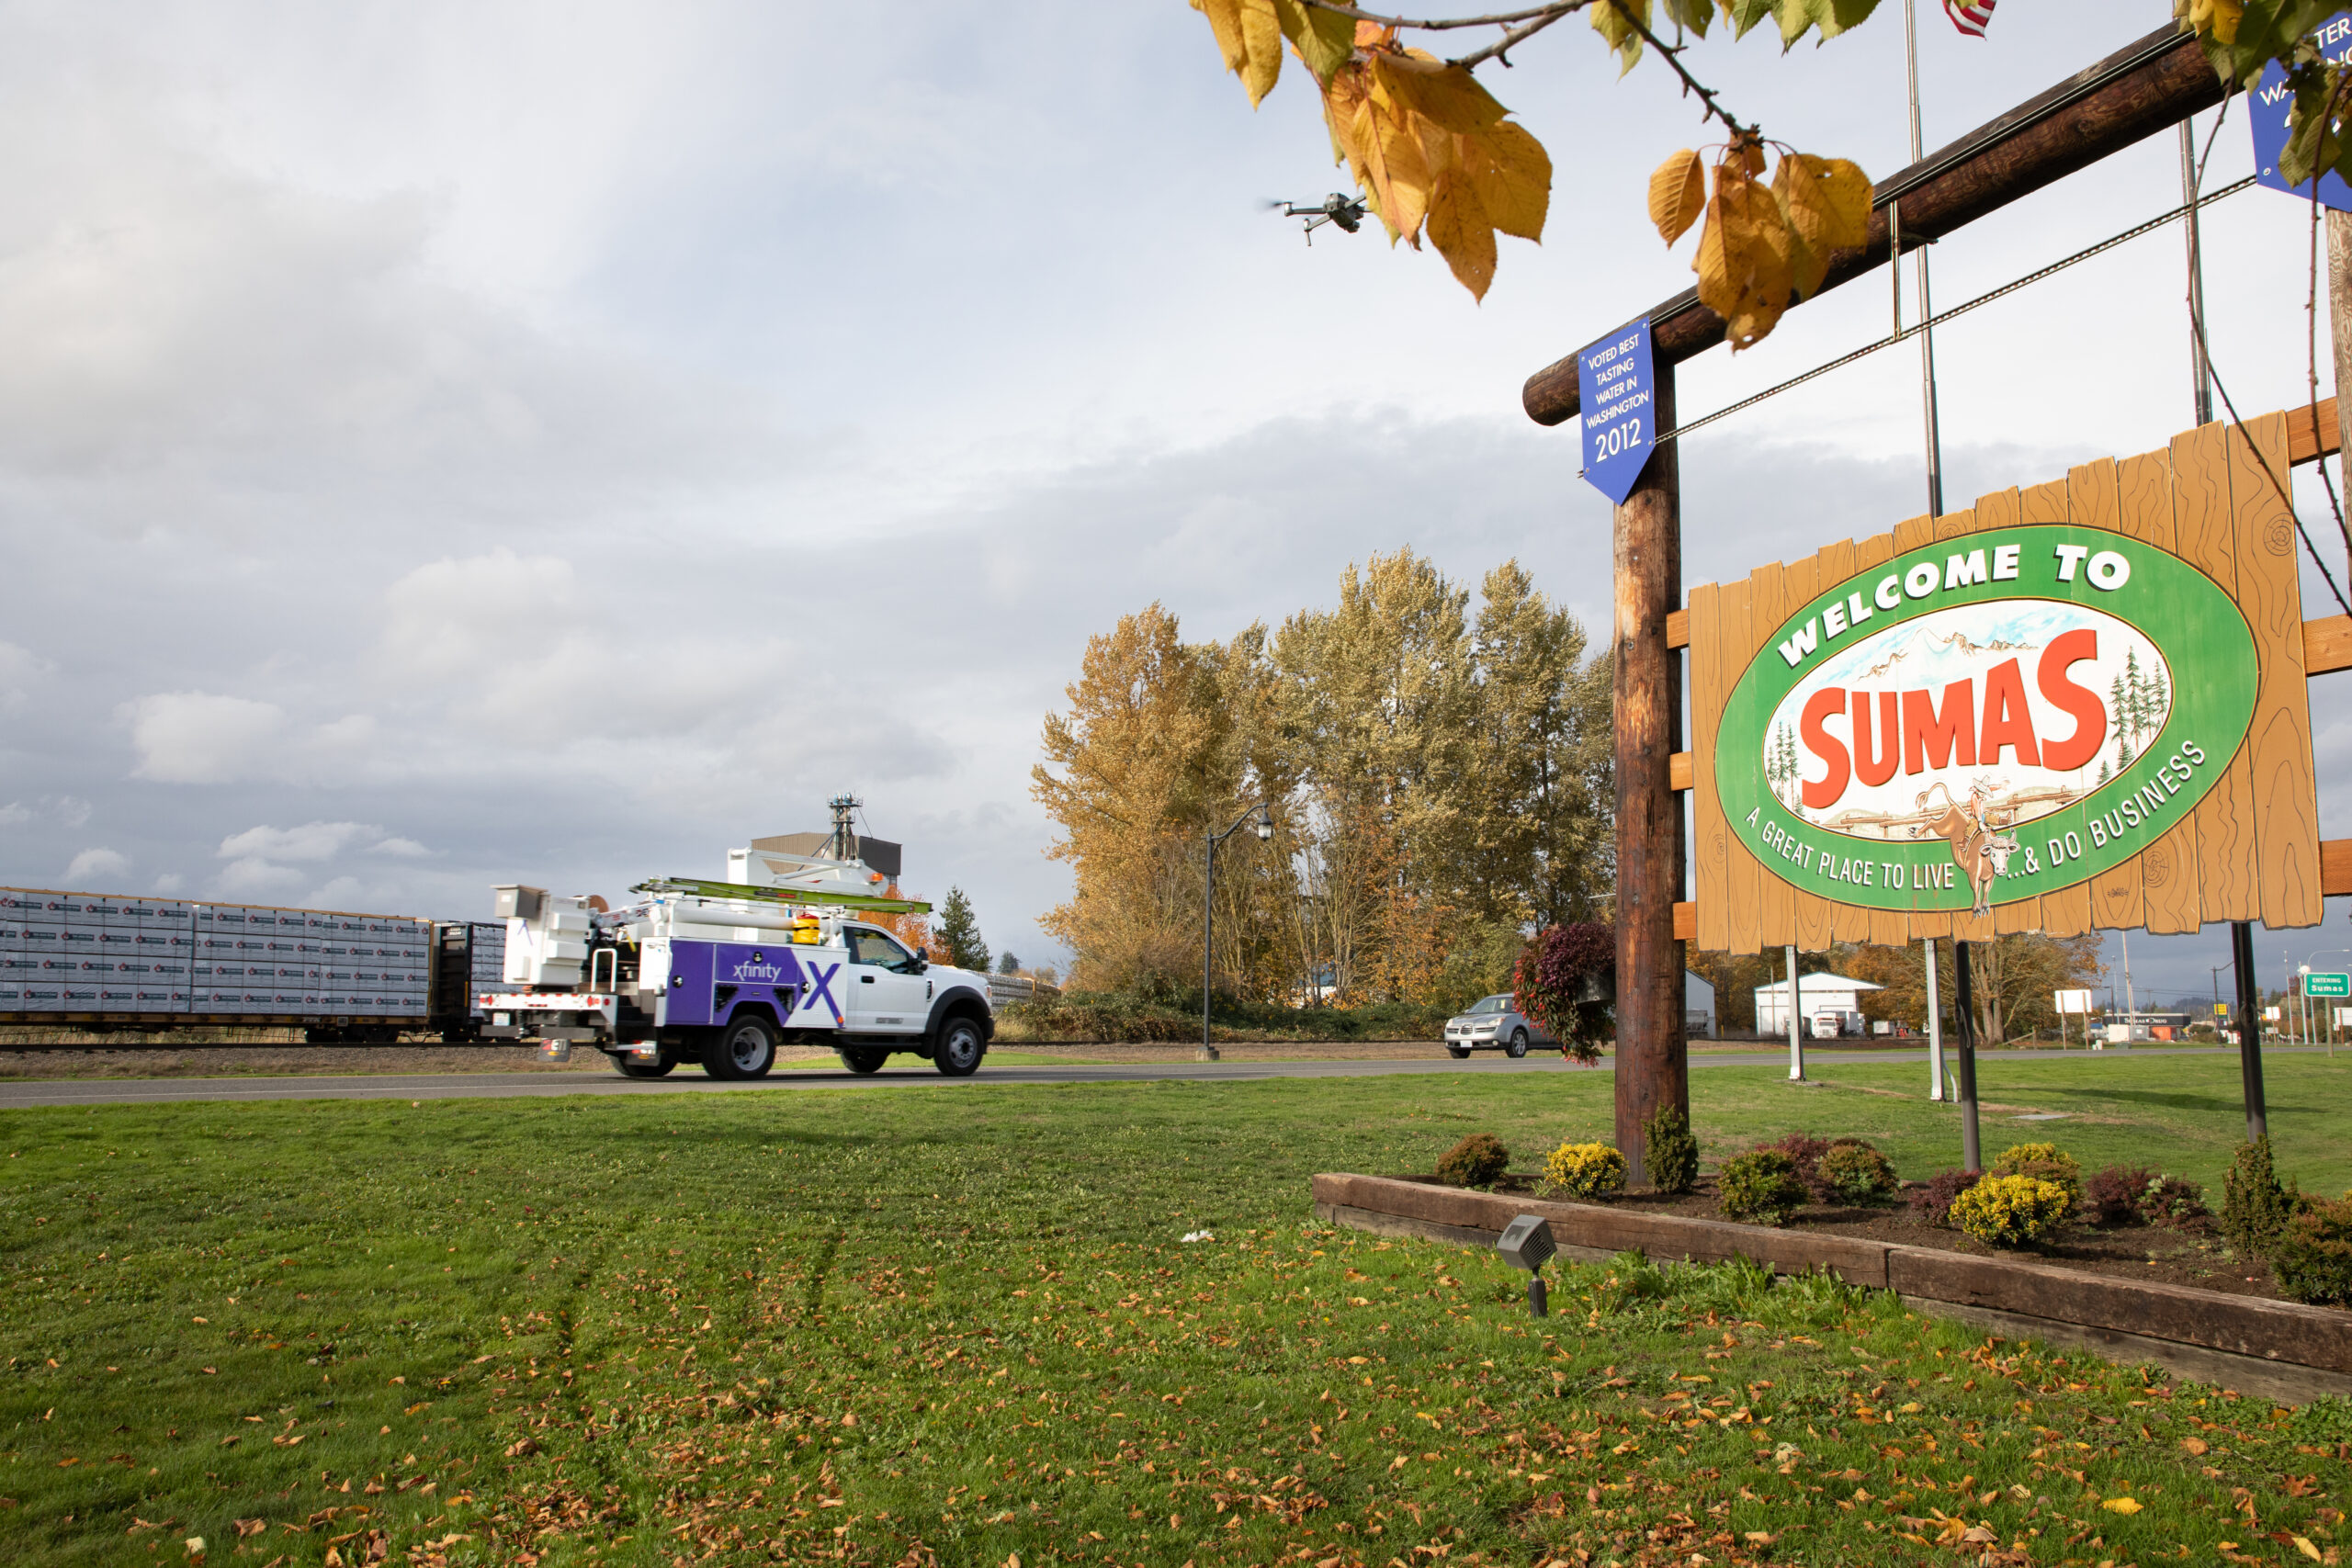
pixel 1816 994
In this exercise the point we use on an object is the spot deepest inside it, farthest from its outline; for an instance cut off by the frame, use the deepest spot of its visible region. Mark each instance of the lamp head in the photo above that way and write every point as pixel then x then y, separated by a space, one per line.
pixel 1526 1243
pixel 1265 824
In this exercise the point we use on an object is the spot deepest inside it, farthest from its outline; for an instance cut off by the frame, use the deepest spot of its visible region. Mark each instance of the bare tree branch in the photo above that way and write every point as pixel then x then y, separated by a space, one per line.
pixel 1498 50
pixel 1690 84
pixel 1551 13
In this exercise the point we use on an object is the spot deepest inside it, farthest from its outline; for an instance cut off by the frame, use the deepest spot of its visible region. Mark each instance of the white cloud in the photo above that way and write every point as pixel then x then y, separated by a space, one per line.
pixel 341 893
pixel 256 878
pixel 19 671
pixel 311 840
pixel 199 738
pixel 171 882
pixel 403 849
pixel 97 866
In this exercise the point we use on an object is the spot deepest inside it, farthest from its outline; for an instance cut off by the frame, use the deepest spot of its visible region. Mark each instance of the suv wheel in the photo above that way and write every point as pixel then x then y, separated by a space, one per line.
pixel 1458 1053
pixel 743 1049
pixel 1517 1046
pixel 957 1052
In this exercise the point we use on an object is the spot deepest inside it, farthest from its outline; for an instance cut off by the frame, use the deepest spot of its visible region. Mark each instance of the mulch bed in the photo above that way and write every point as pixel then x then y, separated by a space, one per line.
pixel 2161 1254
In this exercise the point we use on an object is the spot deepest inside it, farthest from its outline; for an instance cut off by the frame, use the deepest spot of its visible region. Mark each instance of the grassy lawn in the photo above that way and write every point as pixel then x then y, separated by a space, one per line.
pixel 957 1326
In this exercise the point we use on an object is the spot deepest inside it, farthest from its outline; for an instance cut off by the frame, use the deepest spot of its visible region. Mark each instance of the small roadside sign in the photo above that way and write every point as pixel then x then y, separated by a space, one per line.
pixel 2269 104
pixel 2220 1009
pixel 2327 985
pixel 1618 394
pixel 2074 1001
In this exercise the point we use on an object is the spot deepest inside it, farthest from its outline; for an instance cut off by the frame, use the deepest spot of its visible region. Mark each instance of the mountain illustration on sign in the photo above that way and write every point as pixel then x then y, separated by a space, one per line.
pixel 2025 707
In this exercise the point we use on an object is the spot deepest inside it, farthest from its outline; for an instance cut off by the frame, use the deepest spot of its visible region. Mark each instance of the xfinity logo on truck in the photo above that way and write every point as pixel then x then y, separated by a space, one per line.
pixel 756 970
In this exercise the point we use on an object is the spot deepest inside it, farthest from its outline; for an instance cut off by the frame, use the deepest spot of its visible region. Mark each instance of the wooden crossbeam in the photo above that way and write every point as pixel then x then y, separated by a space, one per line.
pixel 2335 868
pixel 2313 436
pixel 2327 645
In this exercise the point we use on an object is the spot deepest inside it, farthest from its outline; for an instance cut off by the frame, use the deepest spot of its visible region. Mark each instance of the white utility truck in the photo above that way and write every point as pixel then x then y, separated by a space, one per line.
pixel 722 972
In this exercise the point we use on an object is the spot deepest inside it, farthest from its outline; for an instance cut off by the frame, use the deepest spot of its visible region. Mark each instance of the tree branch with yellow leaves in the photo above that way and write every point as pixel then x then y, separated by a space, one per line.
pixel 1435 155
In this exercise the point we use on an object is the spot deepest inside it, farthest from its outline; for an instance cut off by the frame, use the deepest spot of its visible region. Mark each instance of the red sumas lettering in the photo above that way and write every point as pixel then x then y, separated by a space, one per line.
pixel 1920 733
pixel 1818 707
pixel 2090 714
pixel 1943 740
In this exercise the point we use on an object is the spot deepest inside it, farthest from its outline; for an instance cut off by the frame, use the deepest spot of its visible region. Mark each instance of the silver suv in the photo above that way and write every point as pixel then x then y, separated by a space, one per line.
pixel 1494 1021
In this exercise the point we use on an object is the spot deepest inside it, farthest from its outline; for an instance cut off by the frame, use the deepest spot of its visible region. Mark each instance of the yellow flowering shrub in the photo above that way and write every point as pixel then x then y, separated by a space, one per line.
pixel 2047 1161
pixel 1584 1171
pixel 2011 1211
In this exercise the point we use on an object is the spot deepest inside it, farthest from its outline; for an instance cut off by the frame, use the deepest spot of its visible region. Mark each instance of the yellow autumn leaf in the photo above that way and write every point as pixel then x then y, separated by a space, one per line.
pixel 1324 39
pixel 2303 1545
pixel 1609 20
pixel 1395 173
pixel 2122 1504
pixel 1847 191
pixel 1459 228
pixel 1445 95
pixel 1512 175
pixel 1677 193
pixel 2218 17
pixel 1756 247
pixel 1249 37
pixel 1804 208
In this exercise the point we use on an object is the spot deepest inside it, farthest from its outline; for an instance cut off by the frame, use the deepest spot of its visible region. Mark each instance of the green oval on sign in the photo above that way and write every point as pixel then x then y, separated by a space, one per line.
pixel 1985 720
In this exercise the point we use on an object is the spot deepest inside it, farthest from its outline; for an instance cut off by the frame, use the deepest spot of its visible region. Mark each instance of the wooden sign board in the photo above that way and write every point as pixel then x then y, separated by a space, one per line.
pixel 2071 707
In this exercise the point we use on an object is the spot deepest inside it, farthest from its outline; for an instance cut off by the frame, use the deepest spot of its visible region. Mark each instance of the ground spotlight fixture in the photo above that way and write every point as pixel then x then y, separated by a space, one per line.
pixel 1526 1243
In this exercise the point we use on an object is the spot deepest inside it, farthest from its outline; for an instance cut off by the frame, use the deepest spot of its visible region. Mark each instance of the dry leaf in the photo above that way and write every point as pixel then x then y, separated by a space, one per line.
pixel 1462 232
pixel 1609 20
pixel 2122 1504
pixel 1249 37
pixel 1512 175
pixel 1324 39
pixel 2306 1548
pixel 1677 193
pixel 1445 95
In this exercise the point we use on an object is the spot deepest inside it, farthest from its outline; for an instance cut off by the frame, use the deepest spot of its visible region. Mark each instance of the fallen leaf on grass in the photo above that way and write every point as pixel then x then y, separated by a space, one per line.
pixel 232 1438
pixel 2122 1504
pixel 2307 1548
pixel 522 1447
pixel 2193 1445
pixel 251 1526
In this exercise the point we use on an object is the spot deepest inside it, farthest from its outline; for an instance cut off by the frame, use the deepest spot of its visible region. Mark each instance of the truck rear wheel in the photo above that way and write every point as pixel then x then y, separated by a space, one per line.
pixel 864 1059
pixel 743 1049
pixel 630 1067
pixel 957 1052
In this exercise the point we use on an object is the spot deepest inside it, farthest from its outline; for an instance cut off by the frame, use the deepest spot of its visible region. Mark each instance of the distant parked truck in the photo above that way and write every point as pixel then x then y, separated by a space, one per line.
pixel 104 963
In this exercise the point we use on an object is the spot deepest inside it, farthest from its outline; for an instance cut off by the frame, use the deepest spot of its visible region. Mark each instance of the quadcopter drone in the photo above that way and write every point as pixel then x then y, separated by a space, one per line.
pixel 1347 211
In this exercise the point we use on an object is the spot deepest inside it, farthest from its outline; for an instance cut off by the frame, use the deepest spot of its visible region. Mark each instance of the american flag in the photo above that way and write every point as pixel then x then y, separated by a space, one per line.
pixel 1971 17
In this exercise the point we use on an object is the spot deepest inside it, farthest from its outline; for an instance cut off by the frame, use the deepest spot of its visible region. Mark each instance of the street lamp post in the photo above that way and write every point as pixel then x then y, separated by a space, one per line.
pixel 1264 820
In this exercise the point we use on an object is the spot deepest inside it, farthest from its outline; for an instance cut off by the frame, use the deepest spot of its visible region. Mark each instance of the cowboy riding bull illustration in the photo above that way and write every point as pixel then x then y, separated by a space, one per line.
pixel 1976 833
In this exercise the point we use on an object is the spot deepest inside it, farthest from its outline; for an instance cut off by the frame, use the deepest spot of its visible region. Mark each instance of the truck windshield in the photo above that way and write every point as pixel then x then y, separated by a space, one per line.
pixel 873 947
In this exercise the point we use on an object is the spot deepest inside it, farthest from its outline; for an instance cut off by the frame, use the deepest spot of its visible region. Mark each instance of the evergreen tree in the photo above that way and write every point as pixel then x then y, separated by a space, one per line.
pixel 1008 964
pixel 959 933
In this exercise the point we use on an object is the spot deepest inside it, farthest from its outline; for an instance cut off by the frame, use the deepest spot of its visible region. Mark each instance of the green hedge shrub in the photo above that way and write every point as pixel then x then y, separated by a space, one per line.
pixel 2312 1254
pixel 1669 1152
pixel 2255 1208
pixel 1761 1186
pixel 1854 1172
pixel 1475 1161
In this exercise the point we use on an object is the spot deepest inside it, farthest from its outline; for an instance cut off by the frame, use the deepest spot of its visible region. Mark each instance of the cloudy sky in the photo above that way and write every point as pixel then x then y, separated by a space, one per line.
pixel 447 444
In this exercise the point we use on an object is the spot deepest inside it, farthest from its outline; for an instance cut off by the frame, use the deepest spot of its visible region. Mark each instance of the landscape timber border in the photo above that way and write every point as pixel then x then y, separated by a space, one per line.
pixel 2282 1351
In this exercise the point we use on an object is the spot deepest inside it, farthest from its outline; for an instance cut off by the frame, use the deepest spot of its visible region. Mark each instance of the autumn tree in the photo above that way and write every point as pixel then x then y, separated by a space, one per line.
pixel 1439 783
pixel 1435 155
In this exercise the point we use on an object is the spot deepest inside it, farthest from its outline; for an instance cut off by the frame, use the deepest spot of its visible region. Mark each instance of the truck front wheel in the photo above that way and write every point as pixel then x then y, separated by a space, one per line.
pixel 957 1052
pixel 744 1049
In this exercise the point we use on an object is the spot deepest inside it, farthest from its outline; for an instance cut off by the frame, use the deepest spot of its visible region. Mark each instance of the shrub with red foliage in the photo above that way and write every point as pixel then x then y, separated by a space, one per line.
pixel 1931 1200
pixel 1805 1152
pixel 2111 1196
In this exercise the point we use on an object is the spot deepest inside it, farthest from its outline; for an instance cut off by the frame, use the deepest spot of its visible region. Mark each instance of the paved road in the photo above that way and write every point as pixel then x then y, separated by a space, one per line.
pixel 508 1085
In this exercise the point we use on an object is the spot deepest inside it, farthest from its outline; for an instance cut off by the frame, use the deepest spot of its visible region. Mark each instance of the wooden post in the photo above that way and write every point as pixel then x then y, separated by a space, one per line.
pixel 2257 1112
pixel 1652 1069
pixel 1963 1007
pixel 2339 327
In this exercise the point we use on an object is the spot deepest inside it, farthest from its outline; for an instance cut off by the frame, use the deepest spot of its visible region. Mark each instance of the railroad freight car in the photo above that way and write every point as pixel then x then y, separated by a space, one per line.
pixel 102 964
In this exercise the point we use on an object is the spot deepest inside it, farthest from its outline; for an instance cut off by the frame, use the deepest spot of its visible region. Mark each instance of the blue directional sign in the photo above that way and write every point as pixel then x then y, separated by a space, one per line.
pixel 2268 104
pixel 1618 396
